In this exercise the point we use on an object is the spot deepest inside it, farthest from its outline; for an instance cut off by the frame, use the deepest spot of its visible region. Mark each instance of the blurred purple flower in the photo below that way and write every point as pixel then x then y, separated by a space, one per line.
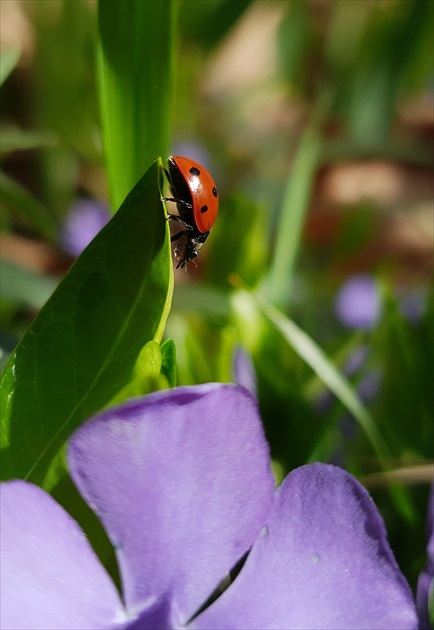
pixel 412 305
pixel 425 585
pixel 181 481
pixel 358 303
pixel 85 219
pixel 367 387
pixel 356 360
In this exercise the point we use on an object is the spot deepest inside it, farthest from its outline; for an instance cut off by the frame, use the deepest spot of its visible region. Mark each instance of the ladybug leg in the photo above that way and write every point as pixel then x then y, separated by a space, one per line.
pixel 183 264
pixel 175 217
pixel 178 235
pixel 176 251
pixel 189 257
pixel 181 201
pixel 182 233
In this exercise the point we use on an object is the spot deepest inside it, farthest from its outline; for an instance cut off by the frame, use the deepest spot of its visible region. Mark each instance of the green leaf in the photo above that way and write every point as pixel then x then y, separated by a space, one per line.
pixel 82 347
pixel 135 72
pixel 4 358
pixel 8 60
pixel 168 366
pixel 146 376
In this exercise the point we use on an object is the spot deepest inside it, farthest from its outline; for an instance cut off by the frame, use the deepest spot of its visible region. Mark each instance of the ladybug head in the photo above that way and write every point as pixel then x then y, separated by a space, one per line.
pixel 190 248
pixel 188 256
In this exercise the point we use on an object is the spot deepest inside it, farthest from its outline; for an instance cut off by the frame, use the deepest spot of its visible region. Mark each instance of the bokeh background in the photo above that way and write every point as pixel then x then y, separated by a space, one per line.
pixel 316 119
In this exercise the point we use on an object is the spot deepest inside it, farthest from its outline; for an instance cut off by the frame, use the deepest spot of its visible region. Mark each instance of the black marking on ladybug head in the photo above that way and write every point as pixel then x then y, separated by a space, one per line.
pixel 195 171
pixel 214 192
pixel 204 209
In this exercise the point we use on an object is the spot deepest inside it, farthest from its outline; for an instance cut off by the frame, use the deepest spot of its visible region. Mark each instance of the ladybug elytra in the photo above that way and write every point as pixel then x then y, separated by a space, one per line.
pixel 196 198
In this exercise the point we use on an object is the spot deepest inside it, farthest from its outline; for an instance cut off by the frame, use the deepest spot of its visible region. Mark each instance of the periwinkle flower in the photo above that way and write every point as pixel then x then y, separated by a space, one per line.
pixel 425 585
pixel 181 481
pixel 358 303
pixel 367 387
pixel 85 219
pixel 412 305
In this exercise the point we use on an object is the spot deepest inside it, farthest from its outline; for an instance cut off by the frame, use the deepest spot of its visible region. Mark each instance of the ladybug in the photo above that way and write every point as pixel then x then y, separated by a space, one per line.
pixel 196 198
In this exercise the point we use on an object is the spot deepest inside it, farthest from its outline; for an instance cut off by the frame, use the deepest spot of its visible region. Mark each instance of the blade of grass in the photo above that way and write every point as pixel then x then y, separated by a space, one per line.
pixel 135 73
pixel 294 209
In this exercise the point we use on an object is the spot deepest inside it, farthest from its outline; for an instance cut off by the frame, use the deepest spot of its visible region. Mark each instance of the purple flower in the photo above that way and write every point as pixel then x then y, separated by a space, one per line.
pixel 425 585
pixel 356 360
pixel 358 303
pixel 367 387
pixel 181 481
pixel 412 305
pixel 85 219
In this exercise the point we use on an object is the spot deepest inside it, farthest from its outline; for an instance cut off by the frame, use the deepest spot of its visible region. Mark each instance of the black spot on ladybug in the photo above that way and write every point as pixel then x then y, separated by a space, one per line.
pixel 195 171
pixel 214 192
pixel 204 209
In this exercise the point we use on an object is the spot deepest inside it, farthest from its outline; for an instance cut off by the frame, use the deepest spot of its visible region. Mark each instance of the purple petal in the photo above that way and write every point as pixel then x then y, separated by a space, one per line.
pixel 358 303
pixel 50 576
pixel 425 585
pixel 430 529
pixel 425 590
pixel 323 561
pixel 182 482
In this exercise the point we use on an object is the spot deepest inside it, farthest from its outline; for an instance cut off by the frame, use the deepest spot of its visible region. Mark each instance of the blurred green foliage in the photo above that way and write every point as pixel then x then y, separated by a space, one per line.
pixel 277 96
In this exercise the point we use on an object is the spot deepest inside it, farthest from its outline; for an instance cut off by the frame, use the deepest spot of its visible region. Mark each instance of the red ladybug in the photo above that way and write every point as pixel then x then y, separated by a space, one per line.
pixel 196 198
